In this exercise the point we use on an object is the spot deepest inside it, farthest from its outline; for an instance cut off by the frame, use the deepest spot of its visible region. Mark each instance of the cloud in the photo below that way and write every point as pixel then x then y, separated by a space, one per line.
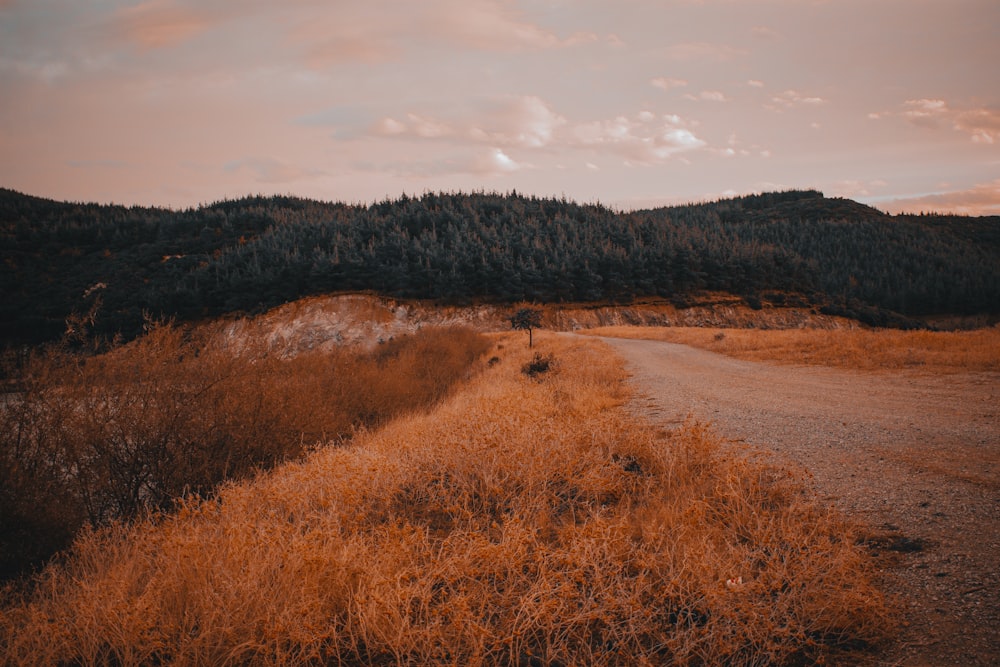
pixel 794 98
pixel 708 96
pixel 378 31
pixel 159 23
pixel 493 25
pixel 269 170
pixel 343 33
pixel 523 122
pixel 855 189
pixel 346 121
pixel 982 199
pixel 416 126
pixel 925 112
pixel 646 140
pixel 529 123
pixel 324 53
pixel 493 162
pixel 484 162
pixel 764 32
pixel 666 83
pixel 705 51
pixel 981 124
pixel 526 122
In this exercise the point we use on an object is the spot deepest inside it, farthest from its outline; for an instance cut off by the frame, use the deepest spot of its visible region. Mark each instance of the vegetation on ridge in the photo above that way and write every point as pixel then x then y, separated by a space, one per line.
pixel 119 264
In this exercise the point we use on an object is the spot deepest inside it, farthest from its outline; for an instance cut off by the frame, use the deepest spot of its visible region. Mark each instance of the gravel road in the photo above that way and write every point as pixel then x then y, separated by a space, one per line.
pixel 914 456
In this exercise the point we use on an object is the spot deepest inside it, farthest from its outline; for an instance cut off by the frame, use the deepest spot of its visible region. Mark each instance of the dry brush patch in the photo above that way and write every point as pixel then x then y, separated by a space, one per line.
pixel 523 521
pixel 179 411
pixel 864 349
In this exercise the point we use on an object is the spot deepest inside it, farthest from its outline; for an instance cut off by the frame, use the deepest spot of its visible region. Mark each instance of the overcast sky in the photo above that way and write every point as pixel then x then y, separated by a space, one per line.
pixel 629 102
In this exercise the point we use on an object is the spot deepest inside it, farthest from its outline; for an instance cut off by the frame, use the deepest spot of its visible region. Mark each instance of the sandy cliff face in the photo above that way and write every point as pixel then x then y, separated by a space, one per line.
pixel 362 320
pixel 355 320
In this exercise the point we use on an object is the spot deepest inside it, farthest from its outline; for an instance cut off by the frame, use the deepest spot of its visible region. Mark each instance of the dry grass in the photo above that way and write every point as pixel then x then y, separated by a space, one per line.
pixel 524 521
pixel 865 349
pixel 93 439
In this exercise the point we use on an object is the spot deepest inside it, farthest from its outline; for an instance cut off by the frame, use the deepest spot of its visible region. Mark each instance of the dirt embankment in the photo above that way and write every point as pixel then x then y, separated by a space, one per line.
pixel 914 456
pixel 365 320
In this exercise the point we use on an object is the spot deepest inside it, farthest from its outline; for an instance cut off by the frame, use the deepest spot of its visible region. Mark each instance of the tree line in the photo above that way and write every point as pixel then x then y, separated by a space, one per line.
pixel 110 267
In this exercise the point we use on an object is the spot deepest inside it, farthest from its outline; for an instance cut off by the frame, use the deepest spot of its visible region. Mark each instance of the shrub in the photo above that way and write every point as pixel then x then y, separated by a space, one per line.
pixel 538 365
pixel 177 412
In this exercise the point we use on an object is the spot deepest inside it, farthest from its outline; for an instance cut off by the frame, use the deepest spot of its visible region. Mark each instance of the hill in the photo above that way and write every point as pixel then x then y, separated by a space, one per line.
pixel 108 267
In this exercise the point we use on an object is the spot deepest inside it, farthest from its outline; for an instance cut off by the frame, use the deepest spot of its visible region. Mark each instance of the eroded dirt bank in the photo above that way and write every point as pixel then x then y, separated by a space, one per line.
pixel 914 456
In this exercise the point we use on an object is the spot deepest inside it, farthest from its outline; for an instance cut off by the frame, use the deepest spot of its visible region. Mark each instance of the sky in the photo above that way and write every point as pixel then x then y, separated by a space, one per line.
pixel 631 103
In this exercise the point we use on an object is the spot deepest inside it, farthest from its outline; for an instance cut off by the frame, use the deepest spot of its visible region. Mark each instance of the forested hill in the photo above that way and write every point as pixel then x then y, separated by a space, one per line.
pixel 60 259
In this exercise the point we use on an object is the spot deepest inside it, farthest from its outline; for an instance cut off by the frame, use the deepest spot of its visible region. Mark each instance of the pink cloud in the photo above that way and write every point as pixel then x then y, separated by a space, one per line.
pixel 346 32
pixel 493 161
pixel 764 32
pixel 705 51
pixel 708 96
pixel 794 98
pixel 646 140
pixel 526 121
pixel 270 170
pixel 159 23
pixel 414 126
pixel 982 199
pixel 389 127
pixel 523 122
pixel 484 162
pixel 349 49
pixel 382 31
pixel 666 83
pixel 925 112
pixel 529 123
pixel 982 124
pixel 497 26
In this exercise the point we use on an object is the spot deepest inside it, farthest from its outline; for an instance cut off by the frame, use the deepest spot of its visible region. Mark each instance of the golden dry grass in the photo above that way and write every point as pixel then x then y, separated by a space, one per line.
pixel 864 349
pixel 178 411
pixel 523 521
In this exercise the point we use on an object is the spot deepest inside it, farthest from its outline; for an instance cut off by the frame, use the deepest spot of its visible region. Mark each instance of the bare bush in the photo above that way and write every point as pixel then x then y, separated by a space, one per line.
pixel 539 365
pixel 177 412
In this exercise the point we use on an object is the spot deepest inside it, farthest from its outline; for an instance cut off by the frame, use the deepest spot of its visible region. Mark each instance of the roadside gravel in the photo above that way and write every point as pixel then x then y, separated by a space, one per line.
pixel 915 457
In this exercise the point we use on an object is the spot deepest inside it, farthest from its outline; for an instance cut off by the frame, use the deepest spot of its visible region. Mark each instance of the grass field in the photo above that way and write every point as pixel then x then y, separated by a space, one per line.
pixel 865 349
pixel 525 520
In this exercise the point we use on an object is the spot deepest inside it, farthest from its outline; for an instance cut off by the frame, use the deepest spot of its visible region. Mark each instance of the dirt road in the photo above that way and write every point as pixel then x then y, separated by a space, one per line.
pixel 914 456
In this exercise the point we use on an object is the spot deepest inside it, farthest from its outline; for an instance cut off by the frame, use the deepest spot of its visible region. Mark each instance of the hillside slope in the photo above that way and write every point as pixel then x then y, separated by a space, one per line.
pixel 111 266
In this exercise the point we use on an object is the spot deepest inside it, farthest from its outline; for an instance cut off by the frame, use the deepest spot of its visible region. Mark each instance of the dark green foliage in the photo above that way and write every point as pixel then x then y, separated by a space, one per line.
pixel 255 253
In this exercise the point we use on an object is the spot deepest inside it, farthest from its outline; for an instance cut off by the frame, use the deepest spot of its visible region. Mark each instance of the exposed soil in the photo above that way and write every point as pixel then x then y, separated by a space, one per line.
pixel 915 457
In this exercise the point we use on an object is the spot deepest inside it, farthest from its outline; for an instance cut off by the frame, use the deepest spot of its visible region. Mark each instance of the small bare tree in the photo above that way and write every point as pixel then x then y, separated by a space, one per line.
pixel 526 318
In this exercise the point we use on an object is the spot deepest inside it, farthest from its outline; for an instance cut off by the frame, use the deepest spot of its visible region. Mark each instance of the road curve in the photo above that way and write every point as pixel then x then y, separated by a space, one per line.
pixel 915 456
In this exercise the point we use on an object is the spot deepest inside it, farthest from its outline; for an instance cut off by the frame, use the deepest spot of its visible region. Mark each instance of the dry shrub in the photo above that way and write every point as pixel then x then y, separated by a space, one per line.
pixel 178 411
pixel 518 523
pixel 865 349
pixel 539 365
